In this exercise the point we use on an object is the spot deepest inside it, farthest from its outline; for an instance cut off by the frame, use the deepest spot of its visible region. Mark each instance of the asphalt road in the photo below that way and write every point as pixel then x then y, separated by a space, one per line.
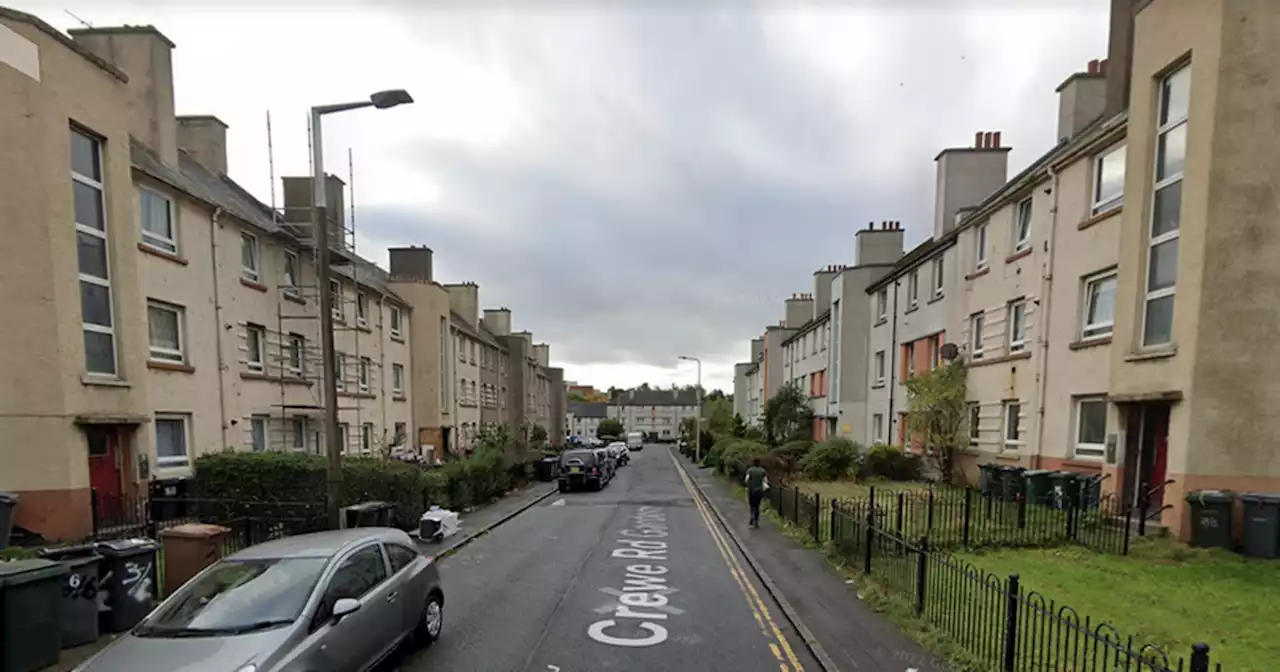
pixel 635 577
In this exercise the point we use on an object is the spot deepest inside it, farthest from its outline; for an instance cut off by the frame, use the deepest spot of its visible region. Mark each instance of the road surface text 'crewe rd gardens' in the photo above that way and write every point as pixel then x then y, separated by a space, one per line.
pixel 641 607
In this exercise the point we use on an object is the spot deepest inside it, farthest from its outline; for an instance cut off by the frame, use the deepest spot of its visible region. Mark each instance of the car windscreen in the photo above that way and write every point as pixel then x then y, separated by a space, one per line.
pixel 585 458
pixel 237 596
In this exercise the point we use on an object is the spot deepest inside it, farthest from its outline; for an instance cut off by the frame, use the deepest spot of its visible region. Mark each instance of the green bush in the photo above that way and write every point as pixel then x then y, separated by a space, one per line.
pixel 739 454
pixel 435 488
pixel 891 462
pixel 831 460
pixel 789 454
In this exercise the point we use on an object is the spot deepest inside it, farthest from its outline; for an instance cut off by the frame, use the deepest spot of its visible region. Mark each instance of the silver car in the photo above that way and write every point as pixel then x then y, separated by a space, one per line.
pixel 338 601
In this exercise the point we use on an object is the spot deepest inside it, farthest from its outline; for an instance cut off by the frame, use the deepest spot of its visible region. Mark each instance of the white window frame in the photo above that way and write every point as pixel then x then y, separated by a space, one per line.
pixel 292 269
pixel 880 367
pixel 298 425
pixel 1161 184
pixel 397 378
pixel 910 355
pixel 980 259
pixel 259 424
pixel 1100 206
pixel 150 238
pixel 254 272
pixel 255 358
pixel 1080 449
pixel 174 461
pixel 340 370
pixel 298 347
pixel 1017 317
pixel 975 422
pixel 396 324
pixel 1022 214
pixel 913 287
pixel 1104 328
pixel 362 375
pixel 161 353
pixel 99 186
pixel 335 301
pixel 877 427
pixel 366 437
pixel 939 268
pixel 362 308
pixel 344 437
pixel 882 304
pixel 977 335
pixel 1012 409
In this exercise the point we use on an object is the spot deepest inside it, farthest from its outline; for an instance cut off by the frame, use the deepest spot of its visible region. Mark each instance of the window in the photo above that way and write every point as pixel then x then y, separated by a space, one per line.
pixel 397 378
pixel 255 341
pixel 471 393
pixel 164 325
pixel 96 309
pixel 395 322
pixel 1017 326
pixel 937 277
pixel 882 304
pixel 299 426
pixel 171 440
pixel 975 422
pixel 157 213
pixel 980 247
pixel 344 437
pixel 291 272
pixel 400 556
pixel 977 322
pixel 258 433
pixel 1108 180
pixel 366 437
pixel 401 433
pixel 1022 226
pixel 249 257
pixel 363 374
pixel 444 361
pixel 360 573
pixel 473 351
pixel 1166 209
pixel 880 368
pixel 909 358
pixel 335 300
pixel 1099 306
pixel 462 350
pixel 1091 427
pixel 1012 410
pixel 935 351
pixel 877 428
pixel 362 308
pixel 297 344
pixel 913 287
pixel 340 370
pixel 462 391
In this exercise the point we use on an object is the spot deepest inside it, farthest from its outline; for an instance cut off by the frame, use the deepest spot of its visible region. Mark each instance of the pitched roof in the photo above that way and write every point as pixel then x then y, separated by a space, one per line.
pixel 586 409
pixel 808 326
pixel 655 398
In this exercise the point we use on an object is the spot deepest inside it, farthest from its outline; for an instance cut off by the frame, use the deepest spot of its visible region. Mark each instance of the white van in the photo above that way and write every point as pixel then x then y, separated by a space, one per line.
pixel 635 441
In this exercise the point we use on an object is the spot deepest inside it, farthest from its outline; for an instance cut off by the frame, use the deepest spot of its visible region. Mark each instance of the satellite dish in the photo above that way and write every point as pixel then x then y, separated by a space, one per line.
pixel 950 351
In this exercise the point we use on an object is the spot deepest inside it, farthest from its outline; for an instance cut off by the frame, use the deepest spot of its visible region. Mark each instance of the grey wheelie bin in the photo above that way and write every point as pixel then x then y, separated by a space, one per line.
pixel 126 582
pixel 30 638
pixel 79 593
pixel 1261 524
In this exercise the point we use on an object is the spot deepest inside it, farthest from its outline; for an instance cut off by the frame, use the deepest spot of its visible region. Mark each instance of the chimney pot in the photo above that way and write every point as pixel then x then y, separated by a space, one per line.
pixel 977 140
pixel 1093 67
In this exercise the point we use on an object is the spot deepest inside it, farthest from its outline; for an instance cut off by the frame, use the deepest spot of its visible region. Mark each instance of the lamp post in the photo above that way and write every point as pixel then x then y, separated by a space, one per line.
pixel 697 440
pixel 329 392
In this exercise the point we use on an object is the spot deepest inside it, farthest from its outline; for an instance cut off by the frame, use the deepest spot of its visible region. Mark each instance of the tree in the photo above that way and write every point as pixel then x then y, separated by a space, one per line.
pixel 688 429
pixel 538 435
pixel 739 427
pixel 718 414
pixel 643 387
pixel 938 417
pixel 577 396
pixel 610 428
pixel 787 416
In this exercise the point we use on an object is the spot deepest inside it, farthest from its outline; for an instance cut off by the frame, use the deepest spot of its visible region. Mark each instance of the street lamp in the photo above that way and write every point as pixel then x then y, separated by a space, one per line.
pixel 697 441
pixel 329 384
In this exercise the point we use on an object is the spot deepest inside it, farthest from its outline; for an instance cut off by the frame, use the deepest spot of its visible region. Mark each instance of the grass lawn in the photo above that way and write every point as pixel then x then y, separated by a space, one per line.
pixel 1163 593
pixel 858 489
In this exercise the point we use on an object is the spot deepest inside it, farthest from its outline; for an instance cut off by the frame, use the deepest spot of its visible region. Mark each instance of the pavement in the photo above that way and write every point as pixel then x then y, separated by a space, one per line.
pixel 638 576
pixel 477 523
pixel 848 633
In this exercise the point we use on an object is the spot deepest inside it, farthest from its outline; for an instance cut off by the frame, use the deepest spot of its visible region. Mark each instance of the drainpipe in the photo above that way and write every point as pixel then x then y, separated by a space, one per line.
pixel 217 318
pixel 893 363
pixel 1046 292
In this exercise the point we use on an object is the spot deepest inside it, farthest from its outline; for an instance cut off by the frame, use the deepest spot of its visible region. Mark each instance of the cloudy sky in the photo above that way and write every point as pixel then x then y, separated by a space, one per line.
pixel 635 184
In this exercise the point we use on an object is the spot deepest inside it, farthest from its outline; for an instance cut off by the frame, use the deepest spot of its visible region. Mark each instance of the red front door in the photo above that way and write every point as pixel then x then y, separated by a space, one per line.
pixel 104 470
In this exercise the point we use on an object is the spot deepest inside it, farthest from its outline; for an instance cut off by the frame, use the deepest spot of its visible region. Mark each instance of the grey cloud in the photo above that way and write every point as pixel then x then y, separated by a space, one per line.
pixel 685 173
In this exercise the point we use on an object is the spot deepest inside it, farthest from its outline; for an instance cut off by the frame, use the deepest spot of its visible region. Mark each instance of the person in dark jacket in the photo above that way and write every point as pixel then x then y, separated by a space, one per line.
pixel 757 482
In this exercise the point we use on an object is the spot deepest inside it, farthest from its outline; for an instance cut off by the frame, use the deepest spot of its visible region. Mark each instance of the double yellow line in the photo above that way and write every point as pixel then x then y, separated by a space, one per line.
pixel 777 641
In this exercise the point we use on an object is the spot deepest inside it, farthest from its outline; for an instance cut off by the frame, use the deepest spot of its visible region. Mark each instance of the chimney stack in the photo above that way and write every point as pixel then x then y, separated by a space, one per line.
pixel 966 176
pixel 1082 98
pixel 204 138
pixel 411 264
pixel 1119 61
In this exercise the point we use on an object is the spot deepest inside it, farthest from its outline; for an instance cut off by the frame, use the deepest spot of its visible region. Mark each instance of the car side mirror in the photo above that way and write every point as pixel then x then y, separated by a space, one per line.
pixel 344 607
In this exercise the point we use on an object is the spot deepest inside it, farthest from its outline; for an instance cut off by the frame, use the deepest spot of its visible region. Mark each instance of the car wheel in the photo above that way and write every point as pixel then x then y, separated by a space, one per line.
pixel 432 621
pixel 564 487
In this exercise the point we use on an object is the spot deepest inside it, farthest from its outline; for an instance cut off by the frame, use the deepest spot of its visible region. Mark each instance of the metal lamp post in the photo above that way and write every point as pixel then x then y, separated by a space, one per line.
pixel 329 382
pixel 697 440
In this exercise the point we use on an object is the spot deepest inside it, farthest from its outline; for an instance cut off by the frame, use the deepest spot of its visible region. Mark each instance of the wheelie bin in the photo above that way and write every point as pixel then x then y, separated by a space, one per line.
pixel 1011 483
pixel 1212 518
pixel 126 582
pixel 79 605
pixel 1261 524
pixel 1038 486
pixel 1065 489
pixel 30 638
pixel 989 478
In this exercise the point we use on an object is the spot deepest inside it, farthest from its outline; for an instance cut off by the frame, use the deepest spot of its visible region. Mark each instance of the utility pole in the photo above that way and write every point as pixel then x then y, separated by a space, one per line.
pixel 697 440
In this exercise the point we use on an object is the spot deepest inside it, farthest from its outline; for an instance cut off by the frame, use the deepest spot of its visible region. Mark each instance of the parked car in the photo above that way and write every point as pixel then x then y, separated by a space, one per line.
pixel 609 465
pixel 635 441
pixel 620 453
pixel 582 469
pixel 335 601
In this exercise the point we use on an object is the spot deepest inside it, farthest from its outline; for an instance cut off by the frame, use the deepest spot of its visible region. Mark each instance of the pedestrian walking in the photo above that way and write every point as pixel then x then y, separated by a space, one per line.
pixel 757 483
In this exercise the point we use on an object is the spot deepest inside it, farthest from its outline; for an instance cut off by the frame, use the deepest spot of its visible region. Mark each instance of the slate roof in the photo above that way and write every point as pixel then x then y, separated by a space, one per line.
pixel 655 398
pixel 585 409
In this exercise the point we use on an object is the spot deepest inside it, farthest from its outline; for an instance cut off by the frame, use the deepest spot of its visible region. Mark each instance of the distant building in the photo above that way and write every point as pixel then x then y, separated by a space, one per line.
pixel 657 412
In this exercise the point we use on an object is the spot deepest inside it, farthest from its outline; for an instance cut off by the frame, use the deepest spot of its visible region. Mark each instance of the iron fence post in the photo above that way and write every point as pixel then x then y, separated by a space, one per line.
pixel 922 561
pixel 1011 624
pixel 1199 657
pixel 869 540
pixel 1143 505
pixel 817 518
pixel 901 503
pixel 1128 530
pixel 834 504
pixel 968 512
pixel 154 514
pixel 795 505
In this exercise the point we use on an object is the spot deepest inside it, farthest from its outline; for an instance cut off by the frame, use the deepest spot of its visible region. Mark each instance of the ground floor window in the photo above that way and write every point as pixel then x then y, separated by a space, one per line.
pixel 172 440
pixel 1090 440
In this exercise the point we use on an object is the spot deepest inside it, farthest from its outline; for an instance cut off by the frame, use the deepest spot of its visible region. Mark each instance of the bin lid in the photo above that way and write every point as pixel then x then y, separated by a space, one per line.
pixel 1210 496
pixel 65 553
pixel 1037 472
pixel 1009 469
pixel 366 506
pixel 8 498
pixel 1065 475
pixel 1260 497
pixel 125 547
pixel 18 572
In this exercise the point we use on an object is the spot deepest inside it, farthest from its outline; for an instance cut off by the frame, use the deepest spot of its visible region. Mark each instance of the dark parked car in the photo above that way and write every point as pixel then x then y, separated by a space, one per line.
pixel 582 469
